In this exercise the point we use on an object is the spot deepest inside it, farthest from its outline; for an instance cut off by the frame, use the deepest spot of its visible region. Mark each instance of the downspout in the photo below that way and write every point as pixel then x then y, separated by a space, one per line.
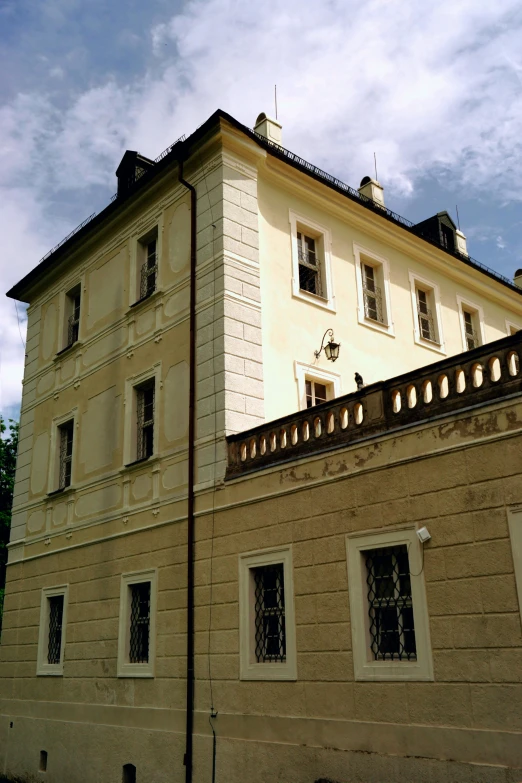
pixel 190 498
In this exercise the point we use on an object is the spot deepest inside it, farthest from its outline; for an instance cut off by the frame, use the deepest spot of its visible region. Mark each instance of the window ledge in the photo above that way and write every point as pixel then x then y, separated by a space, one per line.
pixel 61 491
pixel 68 348
pixel 58 672
pixel 138 463
pixel 377 326
pixel 141 302
pixel 431 345
pixel 318 301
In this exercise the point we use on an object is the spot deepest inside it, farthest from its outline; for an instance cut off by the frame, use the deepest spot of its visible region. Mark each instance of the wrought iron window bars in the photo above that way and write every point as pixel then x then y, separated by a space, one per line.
pixel 145 430
pixel 139 623
pixel 73 323
pixel 269 607
pixel 149 271
pixel 54 646
pixel 66 449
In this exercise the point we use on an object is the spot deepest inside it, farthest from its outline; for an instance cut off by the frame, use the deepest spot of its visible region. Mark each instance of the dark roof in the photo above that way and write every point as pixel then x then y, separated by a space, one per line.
pixel 180 150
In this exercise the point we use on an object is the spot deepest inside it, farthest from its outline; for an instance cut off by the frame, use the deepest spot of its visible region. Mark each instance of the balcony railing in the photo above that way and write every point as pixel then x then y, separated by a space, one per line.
pixel 478 377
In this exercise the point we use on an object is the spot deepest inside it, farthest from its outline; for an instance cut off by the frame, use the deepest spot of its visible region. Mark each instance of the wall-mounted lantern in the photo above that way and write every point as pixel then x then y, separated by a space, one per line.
pixel 331 348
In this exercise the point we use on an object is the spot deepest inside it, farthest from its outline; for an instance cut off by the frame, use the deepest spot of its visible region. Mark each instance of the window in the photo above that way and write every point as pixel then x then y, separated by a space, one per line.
pixel 51 640
pixel 311 262
pixel 145 265
pixel 512 328
pixel 373 290
pixel 315 385
pixel 515 534
pixel 427 320
pixel 66 436
pixel 145 420
pixel 471 324
pixel 136 643
pixel 390 629
pixel 72 307
pixel 267 625
pixel 141 416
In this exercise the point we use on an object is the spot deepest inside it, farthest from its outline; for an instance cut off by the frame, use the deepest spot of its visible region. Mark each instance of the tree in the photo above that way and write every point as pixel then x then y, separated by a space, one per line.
pixel 8 449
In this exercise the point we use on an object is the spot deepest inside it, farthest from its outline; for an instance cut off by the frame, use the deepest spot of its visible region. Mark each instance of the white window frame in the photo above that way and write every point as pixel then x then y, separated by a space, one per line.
pixel 512 328
pixel 125 668
pixel 54 461
pixel 417 281
pixel 308 372
pixel 467 304
pixel 365 668
pixel 249 668
pixel 65 312
pixel 515 534
pixel 381 263
pixel 131 412
pixel 42 667
pixel 137 259
pixel 317 231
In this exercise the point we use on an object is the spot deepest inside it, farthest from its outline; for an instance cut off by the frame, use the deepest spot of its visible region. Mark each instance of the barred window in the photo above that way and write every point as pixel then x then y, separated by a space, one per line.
pixel 390 607
pixel 372 294
pixel 66 433
pixel 309 265
pixel 139 623
pixel 149 270
pixel 270 631
pixel 54 642
pixel 145 423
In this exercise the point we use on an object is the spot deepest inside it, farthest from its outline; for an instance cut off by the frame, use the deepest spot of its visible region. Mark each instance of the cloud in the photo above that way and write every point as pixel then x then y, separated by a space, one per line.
pixel 431 90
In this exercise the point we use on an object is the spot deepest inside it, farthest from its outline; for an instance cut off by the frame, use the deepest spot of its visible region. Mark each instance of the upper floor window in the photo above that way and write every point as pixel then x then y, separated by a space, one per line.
pixel 145 394
pixel 145 266
pixel 66 436
pixel 311 262
pixel 149 270
pixel 471 324
pixel 512 328
pixel 316 392
pixel 373 290
pixel 315 385
pixel 72 308
pixel 427 321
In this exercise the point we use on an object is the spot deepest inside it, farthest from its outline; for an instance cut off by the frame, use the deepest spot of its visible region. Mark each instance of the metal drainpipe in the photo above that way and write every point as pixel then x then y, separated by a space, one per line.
pixel 190 504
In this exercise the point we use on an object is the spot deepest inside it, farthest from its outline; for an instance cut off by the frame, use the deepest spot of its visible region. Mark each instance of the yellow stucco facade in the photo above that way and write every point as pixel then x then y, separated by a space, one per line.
pixel 122 517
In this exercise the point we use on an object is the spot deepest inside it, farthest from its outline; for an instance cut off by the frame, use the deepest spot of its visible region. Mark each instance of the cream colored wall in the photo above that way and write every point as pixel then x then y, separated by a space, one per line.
pixel 292 328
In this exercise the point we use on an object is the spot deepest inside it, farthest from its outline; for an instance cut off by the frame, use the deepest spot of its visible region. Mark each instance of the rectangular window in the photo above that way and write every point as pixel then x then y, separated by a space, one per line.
pixel 72 310
pixel 309 265
pixel 372 294
pixel 316 392
pixel 472 340
pixel 389 615
pixel 267 625
pixel 137 631
pixel 149 270
pixel 425 316
pixel 51 638
pixel 145 420
pixel 139 623
pixel 270 613
pixel 471 323
pixel 390 608
pixel 66 436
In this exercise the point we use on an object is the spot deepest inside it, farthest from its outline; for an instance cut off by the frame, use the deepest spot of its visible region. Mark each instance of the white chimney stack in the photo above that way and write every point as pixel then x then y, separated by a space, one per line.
pixel 518 278
pixel 372 189
pixel 269 128
pixel 462 246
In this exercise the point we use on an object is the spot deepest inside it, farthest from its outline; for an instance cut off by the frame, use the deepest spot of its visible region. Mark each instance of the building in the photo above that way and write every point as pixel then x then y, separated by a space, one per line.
pixel 180 513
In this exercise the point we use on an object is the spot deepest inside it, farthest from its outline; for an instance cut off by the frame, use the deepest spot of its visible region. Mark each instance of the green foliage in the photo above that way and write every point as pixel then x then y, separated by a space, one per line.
pixel 8 449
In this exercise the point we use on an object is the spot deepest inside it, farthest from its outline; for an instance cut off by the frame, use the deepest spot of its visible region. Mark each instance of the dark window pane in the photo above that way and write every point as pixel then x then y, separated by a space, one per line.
pixel 139 623
pixel 270 633
pixel 54 648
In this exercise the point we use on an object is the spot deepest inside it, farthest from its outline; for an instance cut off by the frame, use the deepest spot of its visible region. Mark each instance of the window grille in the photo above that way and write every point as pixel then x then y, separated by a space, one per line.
pixel 66 449
pixel 309 265
pixel 54 647
pixel 73 324
pixel 472 340
pixel 145 433
pixel 315 393
pixel 372 295
pixel 139 623
pixel 270 634
pixel 426 323
pixel 390 609
pixel 149 271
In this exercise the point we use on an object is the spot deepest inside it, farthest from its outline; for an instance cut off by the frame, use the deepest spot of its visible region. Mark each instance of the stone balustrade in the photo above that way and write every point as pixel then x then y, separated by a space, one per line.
pixel 485 374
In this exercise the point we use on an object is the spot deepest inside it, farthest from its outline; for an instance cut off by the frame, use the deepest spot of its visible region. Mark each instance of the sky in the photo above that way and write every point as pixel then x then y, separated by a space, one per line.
pixel 433 88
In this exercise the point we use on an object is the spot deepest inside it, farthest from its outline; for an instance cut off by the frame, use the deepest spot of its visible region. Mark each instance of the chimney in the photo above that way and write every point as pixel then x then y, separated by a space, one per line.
pixel 132 167
pixel 518 278
pixel 269 128
pixel 462 246
pixel 373 190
